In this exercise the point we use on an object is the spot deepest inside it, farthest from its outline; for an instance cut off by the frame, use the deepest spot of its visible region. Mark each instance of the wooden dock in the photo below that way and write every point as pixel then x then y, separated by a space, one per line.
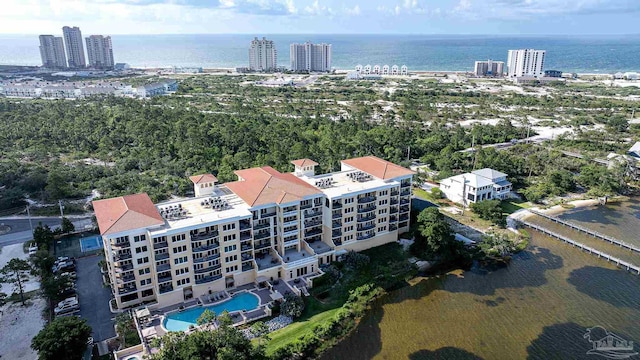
pixel 620 263
pixel 589 232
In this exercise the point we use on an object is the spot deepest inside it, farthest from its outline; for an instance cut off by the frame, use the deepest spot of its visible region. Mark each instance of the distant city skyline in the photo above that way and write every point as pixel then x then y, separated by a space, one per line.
pixel 534 17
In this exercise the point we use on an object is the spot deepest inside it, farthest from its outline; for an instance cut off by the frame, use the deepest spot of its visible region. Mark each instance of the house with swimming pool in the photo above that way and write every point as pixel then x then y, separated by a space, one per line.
pixel 267 227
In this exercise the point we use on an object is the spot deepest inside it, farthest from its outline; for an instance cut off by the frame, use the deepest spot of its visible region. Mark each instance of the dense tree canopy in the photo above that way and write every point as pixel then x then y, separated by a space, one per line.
pixel 65 338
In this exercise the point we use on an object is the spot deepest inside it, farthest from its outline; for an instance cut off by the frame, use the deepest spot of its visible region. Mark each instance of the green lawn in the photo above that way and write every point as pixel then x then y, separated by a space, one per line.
pixel 421 193
pixel 288 334
pixel 513 205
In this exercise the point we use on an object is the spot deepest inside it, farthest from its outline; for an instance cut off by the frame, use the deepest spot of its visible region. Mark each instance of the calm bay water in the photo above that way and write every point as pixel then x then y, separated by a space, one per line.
pixel 538 307
pixel 599 54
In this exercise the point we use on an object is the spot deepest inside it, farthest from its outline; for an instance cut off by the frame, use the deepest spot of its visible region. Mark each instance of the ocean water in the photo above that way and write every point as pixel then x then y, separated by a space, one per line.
pixel 584 54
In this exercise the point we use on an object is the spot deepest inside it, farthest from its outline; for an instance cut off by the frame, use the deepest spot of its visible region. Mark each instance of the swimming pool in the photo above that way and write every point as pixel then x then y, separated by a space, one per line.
pixel 90 243
pixel 180 321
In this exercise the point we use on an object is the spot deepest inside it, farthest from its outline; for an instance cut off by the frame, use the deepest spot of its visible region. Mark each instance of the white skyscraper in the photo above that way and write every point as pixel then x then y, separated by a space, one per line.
pixel 310 57
pixel 75 49
pixel 526 62
pixel 52 52
pixel 263 55
pixel 100 52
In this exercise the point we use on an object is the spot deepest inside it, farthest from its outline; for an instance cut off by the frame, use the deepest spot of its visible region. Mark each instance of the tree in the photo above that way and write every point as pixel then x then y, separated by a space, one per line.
pixel 53 287
pixel 293 305
pixel 489 210
pixel 260 330
pixel 496 245
pixel 16 272
pixel 42 262
pixel 65 338
pixel 67 226
pixel 434 237
pixel 43 236
pixel 207 317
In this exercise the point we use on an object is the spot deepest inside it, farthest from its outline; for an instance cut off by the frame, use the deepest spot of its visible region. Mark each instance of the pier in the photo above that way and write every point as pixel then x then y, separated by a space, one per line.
pixel 620 263
pixel 587 231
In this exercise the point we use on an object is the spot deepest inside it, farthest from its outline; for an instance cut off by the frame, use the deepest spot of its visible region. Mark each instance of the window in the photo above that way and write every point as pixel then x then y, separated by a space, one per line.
pixel 143 260
pixel 145 282
pixel 141 249
pixel 348 200
pixel 139 238
pixel 122 239
pixel 348 238
pixel 232 268
pixel 383 202
pixel 383 192
pixel 144 271
pixel 230 248
pixel 180 260
pixel 182 271
pixel 348 219
pixel 382 220
pixel 382 228
pixel 231 258
pixel 183 281
pixel 348 228
pixel 382 211
pixel 348 210
pixel 180 237
pixel 229 237
pixel 227 227
pixel 180 249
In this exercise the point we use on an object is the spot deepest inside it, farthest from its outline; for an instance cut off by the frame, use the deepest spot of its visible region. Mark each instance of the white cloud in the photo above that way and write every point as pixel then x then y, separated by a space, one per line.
pixel 354 11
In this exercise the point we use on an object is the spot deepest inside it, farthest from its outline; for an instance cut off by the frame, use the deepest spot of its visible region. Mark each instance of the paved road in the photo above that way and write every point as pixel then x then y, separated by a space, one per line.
pixel 21 232
pixel 94 298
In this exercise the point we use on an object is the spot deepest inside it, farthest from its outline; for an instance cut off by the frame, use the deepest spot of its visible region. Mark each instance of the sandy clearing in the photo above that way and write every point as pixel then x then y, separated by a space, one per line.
pixel 15 251
pixel 19 325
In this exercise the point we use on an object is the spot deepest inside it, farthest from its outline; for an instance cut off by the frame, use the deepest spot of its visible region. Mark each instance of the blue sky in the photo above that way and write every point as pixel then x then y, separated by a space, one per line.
pixel 323 16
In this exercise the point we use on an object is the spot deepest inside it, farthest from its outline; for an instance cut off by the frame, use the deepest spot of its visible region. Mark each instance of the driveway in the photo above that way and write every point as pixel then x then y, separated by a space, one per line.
pixel 94 298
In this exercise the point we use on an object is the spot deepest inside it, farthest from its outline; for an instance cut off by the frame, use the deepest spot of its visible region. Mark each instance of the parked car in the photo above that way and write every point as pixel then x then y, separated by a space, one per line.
pixel 64 266
pixel 70 291
pixel 71 274
pixel 66 308
pixel 33 249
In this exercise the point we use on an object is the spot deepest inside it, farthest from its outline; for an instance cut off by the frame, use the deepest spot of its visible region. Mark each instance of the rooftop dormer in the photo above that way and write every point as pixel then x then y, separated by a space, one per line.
pixel 304 167
pixel 203 184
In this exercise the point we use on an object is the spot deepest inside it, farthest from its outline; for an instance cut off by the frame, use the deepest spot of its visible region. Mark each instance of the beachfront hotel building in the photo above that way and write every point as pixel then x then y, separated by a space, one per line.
pixel 75 49
pixel 52 52
pixel 310 57
pixel 489 68
pixel 265 226
pixel 100 52
pixel 526 63
pixel 263 55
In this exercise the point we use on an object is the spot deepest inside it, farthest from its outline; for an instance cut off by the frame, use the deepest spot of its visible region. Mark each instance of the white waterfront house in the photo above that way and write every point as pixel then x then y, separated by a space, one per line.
pixel 479 185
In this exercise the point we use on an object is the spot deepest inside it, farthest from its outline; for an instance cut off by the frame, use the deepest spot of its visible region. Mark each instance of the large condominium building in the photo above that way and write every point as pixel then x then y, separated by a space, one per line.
pixel 489 68
pixel 100 52
pixel 526 63
pixel 73 43
pixel 265 226
pixel 263 55
pixel 52 52
pixel 310 57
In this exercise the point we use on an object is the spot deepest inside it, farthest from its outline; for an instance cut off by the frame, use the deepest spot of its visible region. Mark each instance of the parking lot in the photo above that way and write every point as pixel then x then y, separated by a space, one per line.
pixel 94 298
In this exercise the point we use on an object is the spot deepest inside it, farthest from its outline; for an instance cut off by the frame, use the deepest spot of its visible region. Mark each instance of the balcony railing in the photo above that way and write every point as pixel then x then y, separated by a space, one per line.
pixel 206 279
pixel 393 227
pixel 404 217
pixel 366 218
pixel 262 216
pixel 245 225
pixel 166 289
pixel 261 226
pixel 395 193
pixel 336 233
pixel 336 224
pixel 126 279
pixel 404 208
pixel 206 258
pixel 160 245
pixel 405 192
pixel 245 236
pixel 127 290
pixel 393 210
pixel 312 213
pixel 208 268
pixel 393 218
pixel 123 268
pixel 336 205
pixel 206 247
pixel 261 245
pixel 365 227
pixel 312 232
pixel 337 215
pixel 313 223
pixel 121 257
pixel 247 266
pixel 393 201
pixel 246 257
pixel 366 199
pixel 121 244
pixel 306 206
pixel 366 209
pixel 162 256
pixel 205 236
pixel 405 184
pixel 366 236
pixel 163 267
pixel 404 201
pixel 263 235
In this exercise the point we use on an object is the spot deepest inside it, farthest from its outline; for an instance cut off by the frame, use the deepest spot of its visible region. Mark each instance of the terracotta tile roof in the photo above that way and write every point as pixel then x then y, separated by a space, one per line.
pixel 265 185
pixel 377 167
pixel 304 162
pixel 203 178
pixel 126 213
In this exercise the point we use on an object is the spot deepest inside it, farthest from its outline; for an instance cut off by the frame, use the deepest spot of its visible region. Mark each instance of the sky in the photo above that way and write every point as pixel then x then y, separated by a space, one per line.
pixel 570 17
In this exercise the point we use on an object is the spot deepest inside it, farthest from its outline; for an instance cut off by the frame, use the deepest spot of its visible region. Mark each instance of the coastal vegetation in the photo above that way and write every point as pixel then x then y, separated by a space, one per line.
pixel 64 338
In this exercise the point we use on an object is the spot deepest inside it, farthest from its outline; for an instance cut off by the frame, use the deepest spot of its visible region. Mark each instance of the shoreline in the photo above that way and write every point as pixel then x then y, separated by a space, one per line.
pixel 575 204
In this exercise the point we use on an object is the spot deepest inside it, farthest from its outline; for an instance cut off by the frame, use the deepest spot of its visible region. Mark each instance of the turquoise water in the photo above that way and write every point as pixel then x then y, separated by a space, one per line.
pixel 597 54
pixel 91 243
pixel 180 321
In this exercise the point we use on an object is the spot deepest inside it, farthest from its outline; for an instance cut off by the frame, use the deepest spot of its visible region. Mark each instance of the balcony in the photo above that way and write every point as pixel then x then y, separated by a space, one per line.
pixel 366 209
pixel 246 257
pixel 247 266
pixel 163 267
pixel 263 216
pixel 261 226
pixel 336 215
pixel 405 192
pixel 207 269
pixel 404 208
pixel 404 217
pixel 337 241
pixel 290 223
pixel 206 279
pixel 245 225
pixel 366 227
pixel 336 233
pixel 121 244
pixel 206 247
pixel 246 247
pixel 306 206
pixel 166 289
pixel 404 201
pixel 245 236
pixel 366 218
pixel 393 210
pixel 366 236
pixel 204 236
pixel 336 224
pixel 121 257
pixel 366 199
pixel 312 232
pixel 126 279
pixel 393 218
pixel 127 290
pixel 160 245
pixel 261 245
pixel 336 205
pixel 312 213
pixel 405 184
pixel 164 279
pixel 123 268
pixel 263 235
pixel 205 258
pixel 393 227
pixel 395 193
pixel 313 223
pixel 393 201
pixel 162 256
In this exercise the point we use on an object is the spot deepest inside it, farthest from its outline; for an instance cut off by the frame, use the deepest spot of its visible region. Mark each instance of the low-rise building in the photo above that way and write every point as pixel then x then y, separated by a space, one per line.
pixel 266 225
pixel 479 185
pixel 158 88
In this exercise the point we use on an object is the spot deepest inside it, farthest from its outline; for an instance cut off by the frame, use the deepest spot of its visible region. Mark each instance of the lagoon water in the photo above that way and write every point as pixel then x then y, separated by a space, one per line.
pixel 538 307
pixel 584 54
